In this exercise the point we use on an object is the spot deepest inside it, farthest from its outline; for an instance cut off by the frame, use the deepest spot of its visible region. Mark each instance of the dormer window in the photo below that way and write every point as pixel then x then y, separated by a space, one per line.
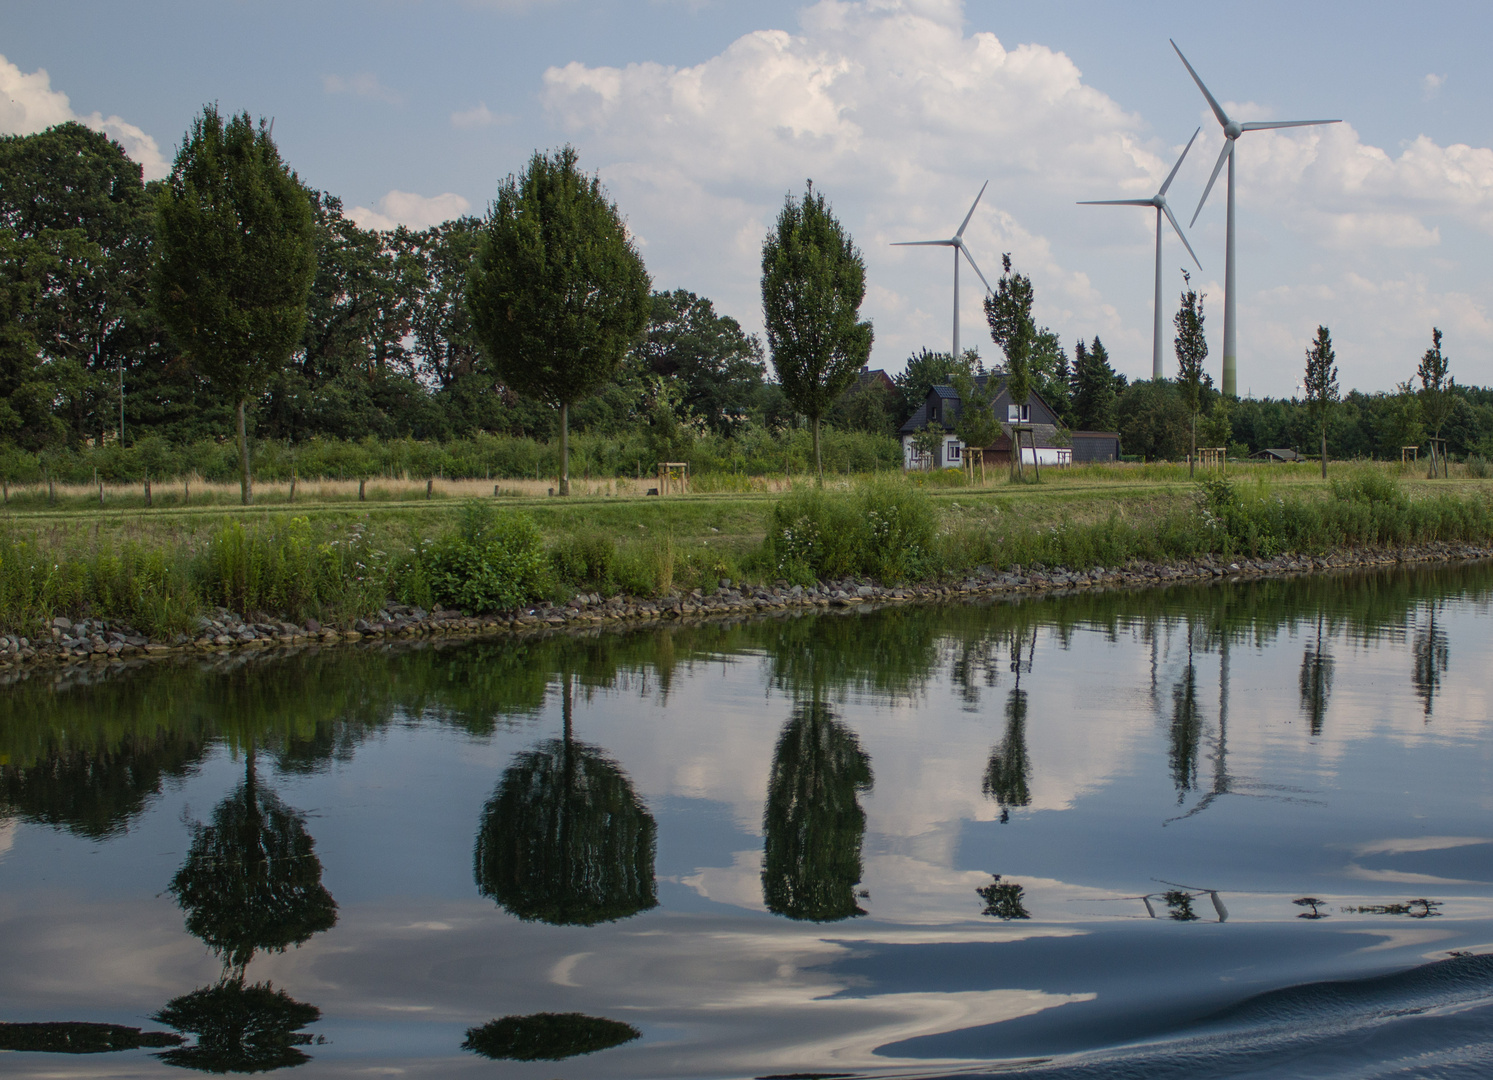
pixel 1019 414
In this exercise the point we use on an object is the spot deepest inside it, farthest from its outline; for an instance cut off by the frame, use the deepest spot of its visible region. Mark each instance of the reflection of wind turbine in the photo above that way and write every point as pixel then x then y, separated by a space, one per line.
pixel 1159 202
pixel 957 243
pixel 1232 129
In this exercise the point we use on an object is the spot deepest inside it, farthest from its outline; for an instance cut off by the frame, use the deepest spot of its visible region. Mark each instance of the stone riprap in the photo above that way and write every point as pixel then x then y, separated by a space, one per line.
pixel 96 641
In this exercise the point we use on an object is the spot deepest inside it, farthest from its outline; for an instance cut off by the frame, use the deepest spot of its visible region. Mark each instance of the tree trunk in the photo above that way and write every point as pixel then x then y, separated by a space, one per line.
pixel 564 448
pixel 1324 451
pixel 245 481
pixel 362 496
pixel 1192 455
pixel 292 486
pixel 147 490
pixel 818 464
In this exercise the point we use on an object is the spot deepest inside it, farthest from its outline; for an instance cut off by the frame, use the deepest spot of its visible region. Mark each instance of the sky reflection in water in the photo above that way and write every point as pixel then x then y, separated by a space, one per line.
pixel 909 840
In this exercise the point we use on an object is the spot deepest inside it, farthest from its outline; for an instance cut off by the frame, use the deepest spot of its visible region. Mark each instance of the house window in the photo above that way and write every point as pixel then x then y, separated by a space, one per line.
pixel 952 451
pixel 1019 414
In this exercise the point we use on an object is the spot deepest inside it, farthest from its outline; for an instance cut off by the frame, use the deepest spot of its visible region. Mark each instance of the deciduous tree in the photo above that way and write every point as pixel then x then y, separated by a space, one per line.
pixel 1321 384
pixel 235 258
pixel 558 294
pixel 1436 398
pixel 813 282
pixel 1192 350
pixel 1009 313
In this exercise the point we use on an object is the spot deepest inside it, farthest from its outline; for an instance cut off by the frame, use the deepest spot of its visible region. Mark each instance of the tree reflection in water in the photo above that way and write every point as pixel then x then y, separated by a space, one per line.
pixel 239 1028
pixel 565 839
pixel 1316 681
pixel 1432 657
pixel 813 822
pixel 252 879
pixel 251 882
pixel 1004 899
pixel 1008 773
pixel 547 1036
pixel 1186 731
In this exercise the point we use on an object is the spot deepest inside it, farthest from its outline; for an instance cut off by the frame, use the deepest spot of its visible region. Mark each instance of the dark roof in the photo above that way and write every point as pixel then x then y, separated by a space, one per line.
pixel 916 422
pixel 1279 453
pixel 1047 436
pixel 948 393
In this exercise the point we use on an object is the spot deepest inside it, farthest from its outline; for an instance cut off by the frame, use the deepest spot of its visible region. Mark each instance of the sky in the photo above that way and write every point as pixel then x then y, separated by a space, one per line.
pixel 702 116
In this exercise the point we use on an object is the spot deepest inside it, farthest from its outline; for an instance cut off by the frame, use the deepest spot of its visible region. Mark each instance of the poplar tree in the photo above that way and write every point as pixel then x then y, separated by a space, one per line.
pixel 1192 350
pixel 558 294
pixel 1321 384
pixel 235 258
pixel 1436 401
pixel 1009 313
pixel 813 282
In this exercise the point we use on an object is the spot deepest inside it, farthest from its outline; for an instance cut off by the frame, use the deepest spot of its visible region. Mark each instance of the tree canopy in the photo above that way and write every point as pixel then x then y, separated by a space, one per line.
pixel 558 293
pixel 1321 384
pixel 813 282
pixel 235 259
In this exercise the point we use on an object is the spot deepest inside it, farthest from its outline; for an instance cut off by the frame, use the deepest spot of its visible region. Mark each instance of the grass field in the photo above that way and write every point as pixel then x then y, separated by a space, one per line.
pixel 332 555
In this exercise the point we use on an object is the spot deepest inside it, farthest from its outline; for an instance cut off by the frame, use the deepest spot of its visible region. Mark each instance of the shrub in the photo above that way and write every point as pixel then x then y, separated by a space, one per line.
pixel 489 562
pixel 586 560
pixel 884 529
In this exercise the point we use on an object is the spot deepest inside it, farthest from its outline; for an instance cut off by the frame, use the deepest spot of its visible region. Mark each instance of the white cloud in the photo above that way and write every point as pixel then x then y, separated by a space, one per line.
pixel 478 115
pixel 364 84
pixel 1431 85
pixel 31 105
pixel 411 210
pixel 898 114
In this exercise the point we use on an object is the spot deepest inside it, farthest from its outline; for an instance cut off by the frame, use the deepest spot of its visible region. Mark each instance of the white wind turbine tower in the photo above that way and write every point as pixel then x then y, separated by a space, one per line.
pixel 957 243
pixel 1159 202
pixel 1232 129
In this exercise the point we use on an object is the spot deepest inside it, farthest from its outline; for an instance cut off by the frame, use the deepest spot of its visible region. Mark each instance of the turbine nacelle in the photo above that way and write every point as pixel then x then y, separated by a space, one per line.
pixel 1233 129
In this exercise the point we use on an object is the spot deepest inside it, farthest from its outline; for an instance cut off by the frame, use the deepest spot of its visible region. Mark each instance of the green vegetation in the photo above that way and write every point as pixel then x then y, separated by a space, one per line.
pixel 813 282
pixel 558 294
pixel 234 260
pixel 338 561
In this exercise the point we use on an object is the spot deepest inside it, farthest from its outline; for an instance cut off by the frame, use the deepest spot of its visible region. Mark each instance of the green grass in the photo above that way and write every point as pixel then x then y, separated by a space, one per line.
pixel 332 557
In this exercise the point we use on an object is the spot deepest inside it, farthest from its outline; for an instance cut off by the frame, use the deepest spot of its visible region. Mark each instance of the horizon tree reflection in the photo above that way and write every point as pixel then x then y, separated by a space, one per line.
pixel 251 882
pixel 813 823
pixel 565 839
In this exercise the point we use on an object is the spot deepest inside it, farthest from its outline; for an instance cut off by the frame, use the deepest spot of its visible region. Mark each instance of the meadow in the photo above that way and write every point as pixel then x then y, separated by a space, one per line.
pixel 322 551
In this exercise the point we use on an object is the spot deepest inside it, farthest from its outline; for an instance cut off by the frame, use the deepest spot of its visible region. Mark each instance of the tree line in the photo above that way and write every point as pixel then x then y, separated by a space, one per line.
pixel 232 298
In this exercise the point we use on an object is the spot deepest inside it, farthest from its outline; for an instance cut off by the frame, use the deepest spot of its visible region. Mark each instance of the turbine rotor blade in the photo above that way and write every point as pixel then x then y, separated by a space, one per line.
pixel 971 213
pixel 1223 117
pixel 1228 148
pixel 971 259
pixel 925 243
pixel 1167 210
pixel 1173 174
pixel 1266 125
pixel 1116 202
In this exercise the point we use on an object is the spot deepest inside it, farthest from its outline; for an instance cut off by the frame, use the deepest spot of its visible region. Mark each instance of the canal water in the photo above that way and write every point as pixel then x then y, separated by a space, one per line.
pixel 1236 829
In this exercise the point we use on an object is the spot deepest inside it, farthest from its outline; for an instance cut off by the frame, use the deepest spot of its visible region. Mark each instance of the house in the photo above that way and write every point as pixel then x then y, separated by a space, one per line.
pixel 1054 444
pixel 1277 454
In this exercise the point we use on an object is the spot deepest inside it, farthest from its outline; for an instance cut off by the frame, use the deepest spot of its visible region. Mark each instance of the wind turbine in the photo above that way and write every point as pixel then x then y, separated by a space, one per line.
pixel 1159 202
pixel 1232 129
pixel 957 243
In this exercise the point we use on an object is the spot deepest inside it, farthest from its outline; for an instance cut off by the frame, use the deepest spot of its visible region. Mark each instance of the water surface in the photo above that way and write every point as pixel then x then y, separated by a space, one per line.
pixel 1234 829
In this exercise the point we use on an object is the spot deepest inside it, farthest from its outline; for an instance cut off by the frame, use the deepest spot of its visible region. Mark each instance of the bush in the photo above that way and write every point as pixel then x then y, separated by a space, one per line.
pixel 489 562
pixel 586 560
pixel 883 529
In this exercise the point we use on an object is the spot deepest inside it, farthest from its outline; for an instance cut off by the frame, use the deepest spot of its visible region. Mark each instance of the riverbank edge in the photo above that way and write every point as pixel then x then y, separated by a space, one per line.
pixel 97 643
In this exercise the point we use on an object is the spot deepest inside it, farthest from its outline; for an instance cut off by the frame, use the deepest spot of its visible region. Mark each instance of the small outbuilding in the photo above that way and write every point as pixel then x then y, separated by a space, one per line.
pixel 1277 454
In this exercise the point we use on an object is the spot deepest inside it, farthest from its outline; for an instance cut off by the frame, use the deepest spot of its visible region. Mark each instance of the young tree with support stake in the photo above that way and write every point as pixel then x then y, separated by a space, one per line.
pixel 813 282
pixel 1436 400
pixel 235 260
pixel 1321 384
pixel 1009 313
pixel 1192 350
pixel 558 293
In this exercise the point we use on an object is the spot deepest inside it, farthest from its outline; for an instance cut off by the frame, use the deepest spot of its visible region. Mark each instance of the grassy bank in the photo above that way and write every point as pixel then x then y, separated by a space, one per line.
pixel 334 558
